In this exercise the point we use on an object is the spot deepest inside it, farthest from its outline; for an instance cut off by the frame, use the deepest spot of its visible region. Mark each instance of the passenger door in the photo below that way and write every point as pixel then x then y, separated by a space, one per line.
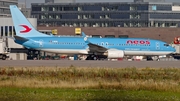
pixel 157 46
pixel 40 43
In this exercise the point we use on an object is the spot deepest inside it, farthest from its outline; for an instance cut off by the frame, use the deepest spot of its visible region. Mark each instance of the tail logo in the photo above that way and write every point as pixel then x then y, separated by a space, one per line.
pixel 26 30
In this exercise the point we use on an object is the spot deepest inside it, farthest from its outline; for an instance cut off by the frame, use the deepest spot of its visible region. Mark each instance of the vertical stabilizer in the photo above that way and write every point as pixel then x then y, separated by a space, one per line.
pixel 22 26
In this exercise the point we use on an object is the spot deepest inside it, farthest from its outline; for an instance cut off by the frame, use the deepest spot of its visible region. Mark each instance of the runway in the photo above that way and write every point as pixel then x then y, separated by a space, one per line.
pixel 83 63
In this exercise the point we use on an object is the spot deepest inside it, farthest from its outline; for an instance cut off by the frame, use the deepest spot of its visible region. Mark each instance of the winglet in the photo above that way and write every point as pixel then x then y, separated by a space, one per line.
pixel 83 34
pixel 85 37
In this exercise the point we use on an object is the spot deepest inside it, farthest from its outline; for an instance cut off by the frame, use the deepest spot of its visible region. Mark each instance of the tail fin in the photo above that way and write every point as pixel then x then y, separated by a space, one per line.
pixel 23 27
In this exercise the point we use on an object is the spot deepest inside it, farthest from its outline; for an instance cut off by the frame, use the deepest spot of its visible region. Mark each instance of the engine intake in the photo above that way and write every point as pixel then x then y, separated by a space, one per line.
pixel 114 53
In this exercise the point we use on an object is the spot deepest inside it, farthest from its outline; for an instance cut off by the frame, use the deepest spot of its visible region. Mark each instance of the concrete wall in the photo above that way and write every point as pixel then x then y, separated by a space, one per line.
pixel 12 44
pixel 17 56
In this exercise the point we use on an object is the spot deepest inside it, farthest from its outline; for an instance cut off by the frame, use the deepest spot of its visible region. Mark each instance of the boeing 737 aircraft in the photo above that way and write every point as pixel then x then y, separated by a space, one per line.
pixel 30 38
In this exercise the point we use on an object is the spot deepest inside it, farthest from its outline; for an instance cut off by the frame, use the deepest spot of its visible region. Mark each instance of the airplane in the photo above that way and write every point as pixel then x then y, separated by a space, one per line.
pixel 30 38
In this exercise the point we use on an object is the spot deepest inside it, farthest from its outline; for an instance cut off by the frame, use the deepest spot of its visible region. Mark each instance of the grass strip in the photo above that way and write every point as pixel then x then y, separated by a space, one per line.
pixel 56 94
pixel 86 84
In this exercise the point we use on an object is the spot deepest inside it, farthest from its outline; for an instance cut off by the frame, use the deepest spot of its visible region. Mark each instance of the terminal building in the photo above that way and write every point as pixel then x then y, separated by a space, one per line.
pixel 140 13
pixel 154 19
pixel 4 7
pixel 7 31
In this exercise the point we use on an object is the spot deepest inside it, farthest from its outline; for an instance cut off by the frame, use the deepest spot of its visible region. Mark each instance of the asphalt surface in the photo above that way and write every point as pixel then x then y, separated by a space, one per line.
pixel 83 63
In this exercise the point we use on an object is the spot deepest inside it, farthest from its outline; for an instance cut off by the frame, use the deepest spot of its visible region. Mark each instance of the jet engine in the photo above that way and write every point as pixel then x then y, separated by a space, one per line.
pixel 114 53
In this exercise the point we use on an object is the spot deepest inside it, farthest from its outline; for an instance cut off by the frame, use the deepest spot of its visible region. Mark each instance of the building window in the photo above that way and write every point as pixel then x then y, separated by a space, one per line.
pixel 110 36
pixel 123 36
pixel 96 36
pixel 6 30
pixel 14 32
pixel 1 31
pixel 154 7
pixel 10 31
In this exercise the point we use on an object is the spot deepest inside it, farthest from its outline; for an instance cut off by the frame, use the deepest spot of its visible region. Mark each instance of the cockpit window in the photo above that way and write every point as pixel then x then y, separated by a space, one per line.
pixel 166 44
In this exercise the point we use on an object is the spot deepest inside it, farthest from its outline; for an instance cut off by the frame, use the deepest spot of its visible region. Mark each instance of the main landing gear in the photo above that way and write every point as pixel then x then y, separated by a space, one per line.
pixel 92 57
pixel 158 59
pixel 149 58
pixel 96 57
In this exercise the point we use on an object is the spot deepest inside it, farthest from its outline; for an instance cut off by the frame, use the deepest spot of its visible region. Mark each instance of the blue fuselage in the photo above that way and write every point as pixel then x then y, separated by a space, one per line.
pixel 78 43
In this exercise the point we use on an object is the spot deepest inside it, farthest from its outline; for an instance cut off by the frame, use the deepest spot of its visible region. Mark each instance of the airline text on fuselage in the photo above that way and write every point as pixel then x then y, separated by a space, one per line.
pixel 138 42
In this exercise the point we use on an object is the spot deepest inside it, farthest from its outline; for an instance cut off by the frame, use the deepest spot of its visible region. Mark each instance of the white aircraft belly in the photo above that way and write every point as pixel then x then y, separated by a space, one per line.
pixel 66 51
pixel 147 52
pixel 76 51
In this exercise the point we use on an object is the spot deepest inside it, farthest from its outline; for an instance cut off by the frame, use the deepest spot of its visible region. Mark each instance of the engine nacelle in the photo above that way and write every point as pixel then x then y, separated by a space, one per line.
pixel 114 53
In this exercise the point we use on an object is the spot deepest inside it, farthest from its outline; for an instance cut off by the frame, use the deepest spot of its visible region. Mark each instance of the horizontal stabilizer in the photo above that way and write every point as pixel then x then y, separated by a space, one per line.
pixel 20 38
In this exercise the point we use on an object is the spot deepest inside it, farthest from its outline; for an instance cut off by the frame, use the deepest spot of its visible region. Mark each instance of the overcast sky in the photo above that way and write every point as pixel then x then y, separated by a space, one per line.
pixel 42 1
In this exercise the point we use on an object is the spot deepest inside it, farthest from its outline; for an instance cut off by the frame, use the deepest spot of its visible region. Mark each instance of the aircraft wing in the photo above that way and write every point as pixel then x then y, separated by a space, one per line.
pixel 96 48
pixel 93 47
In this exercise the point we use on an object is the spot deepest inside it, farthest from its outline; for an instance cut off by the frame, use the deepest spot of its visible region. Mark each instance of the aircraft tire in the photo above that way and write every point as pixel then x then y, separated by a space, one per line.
pixel 4 57
pixel 158 59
